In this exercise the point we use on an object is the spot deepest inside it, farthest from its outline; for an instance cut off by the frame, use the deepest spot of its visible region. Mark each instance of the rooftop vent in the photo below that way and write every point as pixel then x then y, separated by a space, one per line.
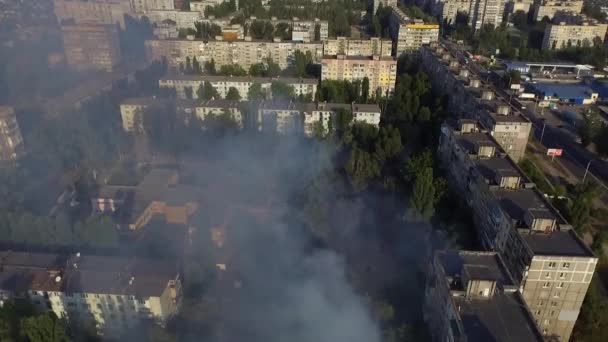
pixel 464 73
pixel 487 95
pixel 475 83
pixel 502 110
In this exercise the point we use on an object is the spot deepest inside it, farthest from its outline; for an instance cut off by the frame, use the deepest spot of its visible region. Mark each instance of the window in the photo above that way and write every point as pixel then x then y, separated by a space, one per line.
pixel 560 285
pixel 552 313
pixel 562 275
pixel 566 265
pixel 546 285
pixel 553 303
pixel 548 275
pixel 556 294
pixel 538 312
pixel 551 265
pixel 541 303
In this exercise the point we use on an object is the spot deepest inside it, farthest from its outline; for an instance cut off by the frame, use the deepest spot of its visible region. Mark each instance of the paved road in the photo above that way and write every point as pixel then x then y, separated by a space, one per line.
pixel 575 158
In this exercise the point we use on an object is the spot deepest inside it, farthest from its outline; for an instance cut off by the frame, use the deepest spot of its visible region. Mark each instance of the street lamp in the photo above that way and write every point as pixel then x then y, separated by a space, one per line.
pixel 587 170
pixel 542 133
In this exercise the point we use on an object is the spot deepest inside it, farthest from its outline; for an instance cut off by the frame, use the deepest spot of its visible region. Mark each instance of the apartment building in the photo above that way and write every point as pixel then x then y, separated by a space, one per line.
pixel 380 71
pixel 306 118
pixel 357 47
pixel 305 87
pixel 410 34
pixel 91 46
pixel 550 263
pixel 116 294
pixel 448 10
pixel 301 30
pixel 219 107
pixel 569 31
pixel 384 3
pixel 143 6
pixel 109 12
pixel 242 52
pixel 482 12
pixel 158 195
pixel 11 142
pixel 519 5
pixel 471 296
pixel 201 6
pixel 472 98
pixel 182 19
pixel 550 8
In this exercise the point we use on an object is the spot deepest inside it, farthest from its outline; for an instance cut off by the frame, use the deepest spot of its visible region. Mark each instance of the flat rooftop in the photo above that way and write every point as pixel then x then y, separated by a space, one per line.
pixel 558 242
pixel 470 141
pixel 502 318
pixel 454 261
pixel 503 166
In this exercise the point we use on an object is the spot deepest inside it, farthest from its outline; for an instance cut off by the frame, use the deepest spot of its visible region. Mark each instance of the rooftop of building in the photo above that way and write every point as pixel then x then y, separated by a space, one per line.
pixel 569 91
pixel 246 39
pixel 572 19
pixel 23 271
pixel 563 243
pixel 360 58
pixel 501 317
pixel 486 265
pixel 214 78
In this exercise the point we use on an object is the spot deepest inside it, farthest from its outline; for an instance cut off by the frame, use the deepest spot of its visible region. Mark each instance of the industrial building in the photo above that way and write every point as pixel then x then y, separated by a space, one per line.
pixel 471 97
pixel 551 265
pixel 91 46
pixel 11 142
pixel 471 296
pixel 380 71
pixel 115 294
pixel 564 93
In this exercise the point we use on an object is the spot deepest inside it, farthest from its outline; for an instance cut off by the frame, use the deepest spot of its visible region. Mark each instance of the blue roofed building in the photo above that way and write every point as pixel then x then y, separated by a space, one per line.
pixel 565 93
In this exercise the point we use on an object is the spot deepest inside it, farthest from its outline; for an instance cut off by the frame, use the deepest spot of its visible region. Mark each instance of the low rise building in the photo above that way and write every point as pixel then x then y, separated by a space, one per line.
pixel 550 264
pixel 380 71
pixel 182 19
pixel 108 12
pixel 410 34
pixel 115 294
pixel 11 141
pixel 311 118
pixel 471 296
pixel 91 46
pixel 304 87
pixel 566 31
pixel 158 195
pixel 471 97
pixel 242 52
pixel 357 47
pixel 550 8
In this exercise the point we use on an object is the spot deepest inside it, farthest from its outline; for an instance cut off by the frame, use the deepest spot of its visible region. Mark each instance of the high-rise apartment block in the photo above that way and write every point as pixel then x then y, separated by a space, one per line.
pixel 384 3
pixel 242 52
pixel 11 142
pixel 482 12
pixel 448 10
pixel 550 8
pixel 550 264
pixel 109 12
pixel 91 46
pixel 566 31
pixel 143 6
pixel 115 294
pixel 471 296
pixel 472 98
pixel 305 87
pixel 380 71
pixel 182 19
pixel 357 47
pixel 410 34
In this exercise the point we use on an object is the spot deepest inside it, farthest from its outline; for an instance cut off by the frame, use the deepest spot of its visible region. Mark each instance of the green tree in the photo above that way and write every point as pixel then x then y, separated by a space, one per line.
pixel 256 92
pixel 365 89
pixel 601 140
pixel 206 91
pixel 361 167
pixel 44 328
pixel 210 67
pixel 281 90
pixel 233 94
pixel 582 204
pixel 196 67
pixel 520 19
pixel 422 200
pixel 188 93
pixel 589 128
pixel 232 70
